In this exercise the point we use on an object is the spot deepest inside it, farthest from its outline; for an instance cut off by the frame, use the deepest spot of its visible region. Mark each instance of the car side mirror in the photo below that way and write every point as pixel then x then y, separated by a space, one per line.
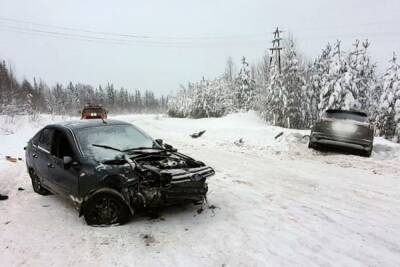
pixel 159 142
pixel 69 161
pixel 170 148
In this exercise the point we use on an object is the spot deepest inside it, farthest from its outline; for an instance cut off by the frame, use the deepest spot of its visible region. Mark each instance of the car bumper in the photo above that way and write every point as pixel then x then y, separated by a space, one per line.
pixel 340 141
pixel 189 184
pixel 195 191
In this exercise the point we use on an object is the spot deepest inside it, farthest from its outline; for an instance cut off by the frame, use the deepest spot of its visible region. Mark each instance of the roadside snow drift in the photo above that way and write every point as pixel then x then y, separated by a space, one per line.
pixel 272 202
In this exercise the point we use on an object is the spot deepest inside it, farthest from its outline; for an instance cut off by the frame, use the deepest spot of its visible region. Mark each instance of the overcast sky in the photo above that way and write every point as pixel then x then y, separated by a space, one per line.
pixel 179 41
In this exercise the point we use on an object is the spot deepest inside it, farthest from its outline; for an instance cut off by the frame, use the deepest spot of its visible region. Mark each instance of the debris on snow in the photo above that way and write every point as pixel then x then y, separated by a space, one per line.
pixel 11 159
pixel 148 239
pixel 212 207
pixel 197 135
pixel 278 135
pixel 239 142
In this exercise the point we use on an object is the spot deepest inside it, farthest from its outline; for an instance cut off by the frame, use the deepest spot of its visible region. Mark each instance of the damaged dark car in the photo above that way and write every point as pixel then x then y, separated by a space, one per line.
pixel 111 169
pixel 343 129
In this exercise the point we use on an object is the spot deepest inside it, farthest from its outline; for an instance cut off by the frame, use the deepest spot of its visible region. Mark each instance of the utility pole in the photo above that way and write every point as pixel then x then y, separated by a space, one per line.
pixel 276 48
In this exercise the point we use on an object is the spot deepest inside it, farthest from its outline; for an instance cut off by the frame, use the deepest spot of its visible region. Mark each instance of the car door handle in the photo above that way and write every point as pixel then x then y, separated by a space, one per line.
pixel 34 156
pixel 50 165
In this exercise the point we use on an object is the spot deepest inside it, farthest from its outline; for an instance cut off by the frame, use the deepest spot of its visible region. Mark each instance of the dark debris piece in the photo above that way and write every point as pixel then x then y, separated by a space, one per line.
pixel 20 189
pixel 197 135
pixel 213 207
pixel 3 197
pixel 278 135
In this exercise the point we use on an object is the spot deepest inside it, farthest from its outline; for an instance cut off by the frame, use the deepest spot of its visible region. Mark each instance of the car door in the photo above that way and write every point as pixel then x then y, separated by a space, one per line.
pixel 43 160
pixel 65 176
pixel 31 153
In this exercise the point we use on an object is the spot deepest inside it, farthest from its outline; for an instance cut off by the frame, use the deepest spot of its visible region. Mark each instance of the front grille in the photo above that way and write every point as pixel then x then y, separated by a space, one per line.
pixel 188 175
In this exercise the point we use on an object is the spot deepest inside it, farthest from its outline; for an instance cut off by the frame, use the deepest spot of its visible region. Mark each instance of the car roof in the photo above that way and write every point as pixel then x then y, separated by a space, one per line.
pixel 360 113
pixel 81 124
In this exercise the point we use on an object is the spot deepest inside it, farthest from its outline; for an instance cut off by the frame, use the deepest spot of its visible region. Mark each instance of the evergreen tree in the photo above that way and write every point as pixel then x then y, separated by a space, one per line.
pixel 331 89
pixel 294 86
pixel 389 119
pixel 244 88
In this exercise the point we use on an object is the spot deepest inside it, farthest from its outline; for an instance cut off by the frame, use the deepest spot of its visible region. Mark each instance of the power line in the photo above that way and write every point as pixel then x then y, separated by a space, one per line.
pixel 78 37
pixel 146 40
pixel 128 35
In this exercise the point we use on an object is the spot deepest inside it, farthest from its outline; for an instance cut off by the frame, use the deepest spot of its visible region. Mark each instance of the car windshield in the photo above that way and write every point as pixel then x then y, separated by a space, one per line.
pixel 342 115
pixel 95 140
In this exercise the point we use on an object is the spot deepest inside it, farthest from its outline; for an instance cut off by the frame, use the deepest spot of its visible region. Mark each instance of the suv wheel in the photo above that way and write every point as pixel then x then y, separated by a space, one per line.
pixel 311 145
pixel 366 153
pixel 105 209
pixel 36 184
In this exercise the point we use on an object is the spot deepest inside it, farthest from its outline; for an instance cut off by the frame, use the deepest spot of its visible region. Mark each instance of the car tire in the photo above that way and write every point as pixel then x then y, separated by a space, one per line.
pixel 366 153
pixel 311 145
pixel 105 209
pixel 36 184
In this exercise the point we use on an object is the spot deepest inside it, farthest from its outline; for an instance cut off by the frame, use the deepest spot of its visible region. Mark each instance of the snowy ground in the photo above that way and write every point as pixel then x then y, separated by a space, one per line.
pixel 277 204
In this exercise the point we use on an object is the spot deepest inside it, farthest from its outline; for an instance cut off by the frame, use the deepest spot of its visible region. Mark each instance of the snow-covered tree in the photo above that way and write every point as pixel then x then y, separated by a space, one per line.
pixel 331 89
pixel 389 118
pixel 244 88
pixel 294 85
pixel 359 79
pixel 350 79
pixel 274 99
pixel 281 99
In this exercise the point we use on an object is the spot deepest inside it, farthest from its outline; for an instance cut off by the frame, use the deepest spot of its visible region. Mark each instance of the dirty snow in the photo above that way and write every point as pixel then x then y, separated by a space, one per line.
pixel 274 203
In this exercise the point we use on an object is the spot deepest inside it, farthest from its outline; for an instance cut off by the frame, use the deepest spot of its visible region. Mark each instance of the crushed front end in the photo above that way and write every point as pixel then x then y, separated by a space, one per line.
pixel 165 178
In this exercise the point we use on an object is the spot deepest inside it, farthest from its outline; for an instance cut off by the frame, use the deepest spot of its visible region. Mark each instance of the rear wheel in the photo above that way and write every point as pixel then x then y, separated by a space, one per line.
pixel 312 145
pixel 36 184
pixel 366 153
pixel 105 209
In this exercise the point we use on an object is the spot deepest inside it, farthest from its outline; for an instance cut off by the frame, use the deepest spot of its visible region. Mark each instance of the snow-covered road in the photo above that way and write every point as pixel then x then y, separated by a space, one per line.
pixel 276 202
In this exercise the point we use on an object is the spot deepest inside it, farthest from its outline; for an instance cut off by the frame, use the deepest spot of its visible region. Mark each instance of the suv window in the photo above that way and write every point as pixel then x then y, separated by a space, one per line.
pixel 346 116
pixel 45 138
pixel 61 146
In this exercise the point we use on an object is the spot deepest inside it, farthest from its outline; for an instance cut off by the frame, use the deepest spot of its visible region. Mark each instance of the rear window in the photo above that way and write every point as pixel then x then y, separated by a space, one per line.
pixel 346 115
pixel 93 110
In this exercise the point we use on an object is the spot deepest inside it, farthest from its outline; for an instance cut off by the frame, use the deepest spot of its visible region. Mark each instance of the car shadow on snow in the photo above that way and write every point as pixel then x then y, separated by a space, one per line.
pixel 164 213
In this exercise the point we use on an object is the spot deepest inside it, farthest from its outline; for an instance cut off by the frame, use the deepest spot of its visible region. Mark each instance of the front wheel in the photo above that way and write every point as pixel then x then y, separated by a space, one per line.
pixel 105 209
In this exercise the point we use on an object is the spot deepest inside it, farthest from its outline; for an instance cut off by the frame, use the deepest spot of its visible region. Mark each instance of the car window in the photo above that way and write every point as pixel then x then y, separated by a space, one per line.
pixel 35 139
pixel 61 146
pixel 45 139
